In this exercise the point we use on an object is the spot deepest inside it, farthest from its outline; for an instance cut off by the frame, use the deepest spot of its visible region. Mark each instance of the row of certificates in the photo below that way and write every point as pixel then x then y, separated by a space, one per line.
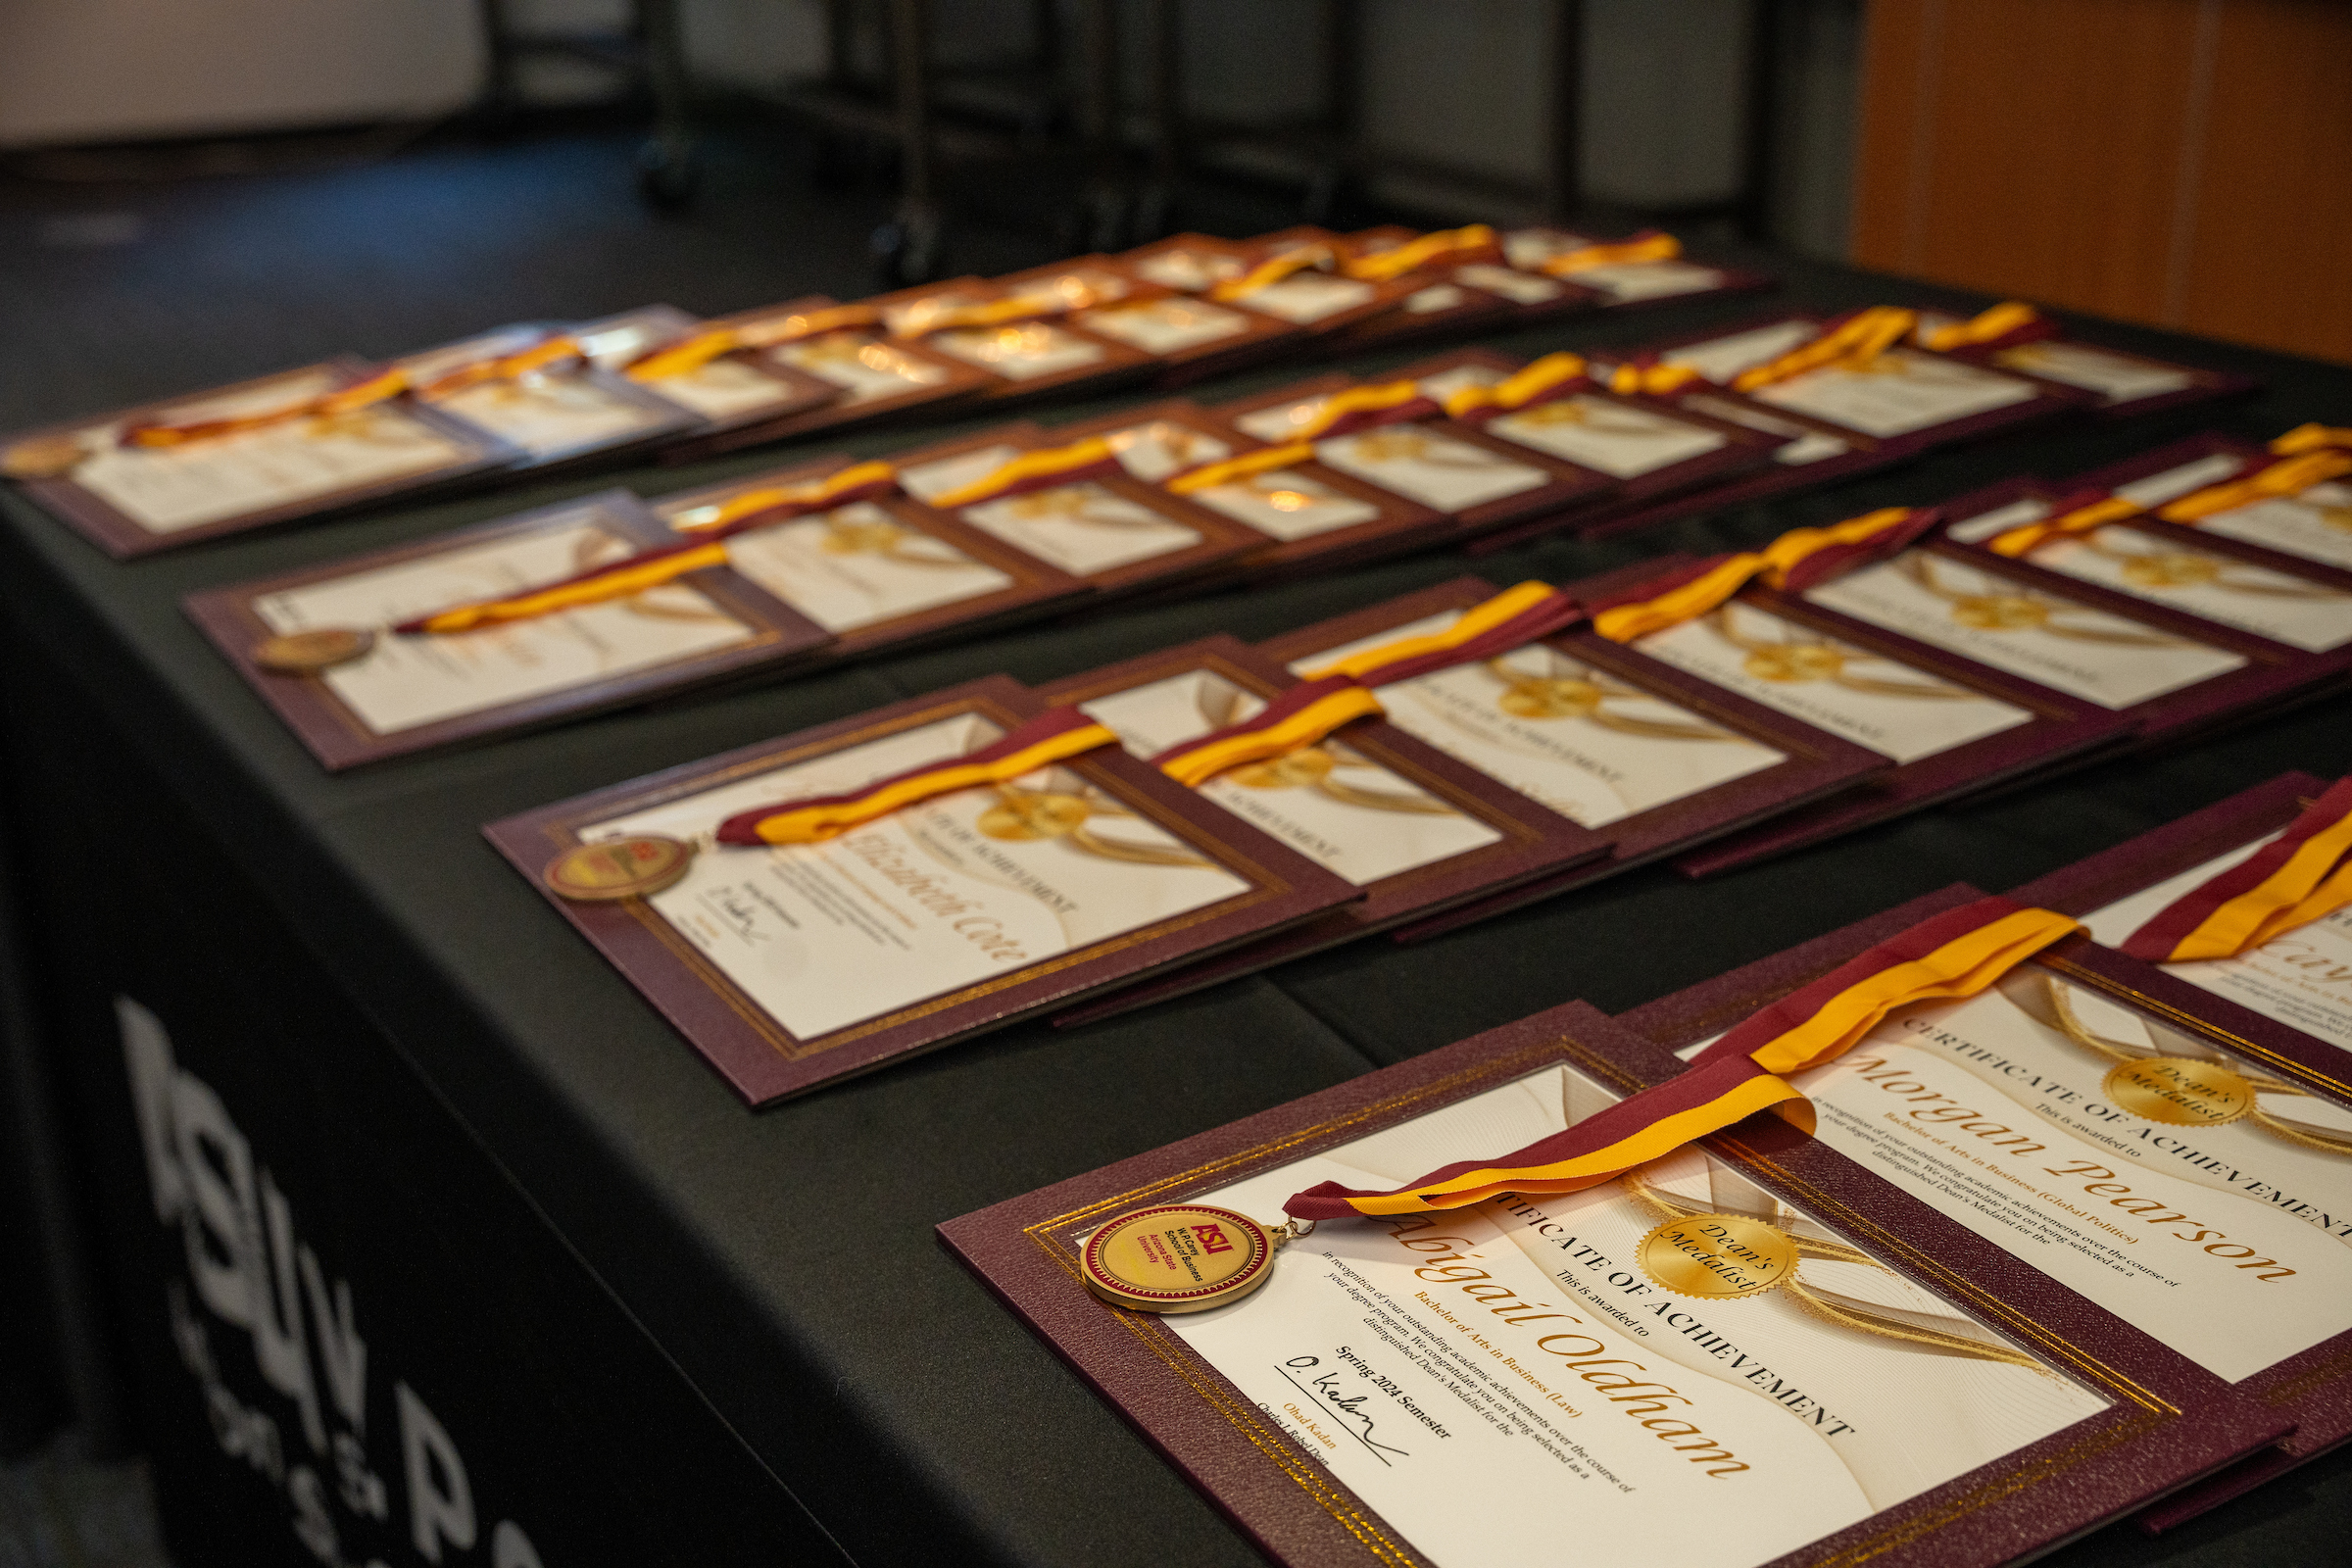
pixel 346 431
pixel 2075 1245
pixel 1709 712
pixel 826 559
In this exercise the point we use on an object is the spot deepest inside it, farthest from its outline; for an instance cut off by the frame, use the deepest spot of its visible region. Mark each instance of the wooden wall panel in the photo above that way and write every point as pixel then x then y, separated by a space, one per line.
pixel 2185 163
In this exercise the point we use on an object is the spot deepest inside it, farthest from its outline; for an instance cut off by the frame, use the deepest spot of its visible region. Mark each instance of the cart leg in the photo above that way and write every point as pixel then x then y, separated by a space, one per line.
pixel 907 248
pixel 668 167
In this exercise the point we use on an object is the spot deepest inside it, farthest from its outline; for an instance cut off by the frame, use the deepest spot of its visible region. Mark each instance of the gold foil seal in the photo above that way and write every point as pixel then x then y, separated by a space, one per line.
pixel 43 457
pixel 306 653
pixel 1177 1257
pixel 1719 1256
pixel 613 869
pixel 2178 1090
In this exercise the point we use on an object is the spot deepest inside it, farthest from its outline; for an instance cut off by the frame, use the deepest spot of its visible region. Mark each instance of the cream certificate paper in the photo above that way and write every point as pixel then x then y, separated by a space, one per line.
pixel 1899 393
pixel 1154 450
pixel 1305 297
pixel 1189 271
pixel 2316 525
pixel 2116 377
pixel 1166 326
pixel 1329 802
pixel 864 366
pixel 859 565
pixel 550 415
pixel 170 489
pixel 1019 353
pixel 1287 504
pixel 407 681
pixel 924 480
pixel 1803 445
pixel 2213 1209
pixel 1436 470
pixel 948 893
pixel 2302 979
pixel 2000 621
pixel 1520 288
pixel 1502 1385
pixel 1591 747
pixel 2294 611
pixel 1082 528
pixel 726 388
pixel 1614 438
pixel 1891 707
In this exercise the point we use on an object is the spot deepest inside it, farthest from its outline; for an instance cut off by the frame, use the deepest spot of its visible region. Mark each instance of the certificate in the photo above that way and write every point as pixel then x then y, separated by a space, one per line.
pixel 2300 611
pixel 1504 1384
pixel 134 501
pixel 1160 440
pixel 1616 282
pixel 1116 532
pixel 1602 734
pixel 550 415
pixel 792 966
pixel 2010 624
pixel 2124 384
pixel 2315 526
pixel 1951 725
pixel 409 692
pixel 881 573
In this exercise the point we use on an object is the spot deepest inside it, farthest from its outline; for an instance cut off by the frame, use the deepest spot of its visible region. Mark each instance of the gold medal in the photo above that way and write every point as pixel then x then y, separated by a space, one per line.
pixel 43 457
pixel 2178 1090
pixel 618 868
pixel 306 653
pixel 1179 1257
pixel 1723 1256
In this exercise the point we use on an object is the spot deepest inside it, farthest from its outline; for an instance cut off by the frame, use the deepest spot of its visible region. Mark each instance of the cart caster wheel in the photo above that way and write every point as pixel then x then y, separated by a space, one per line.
pixel 905 253
pixel 666 180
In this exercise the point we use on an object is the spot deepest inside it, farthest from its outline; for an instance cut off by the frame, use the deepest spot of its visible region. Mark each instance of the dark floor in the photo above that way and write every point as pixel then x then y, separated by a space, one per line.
pixel 60 1511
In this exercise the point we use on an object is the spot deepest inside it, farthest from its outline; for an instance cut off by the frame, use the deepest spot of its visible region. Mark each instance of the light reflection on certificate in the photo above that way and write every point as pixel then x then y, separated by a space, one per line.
pixel 1891 707
pixel 1082 528
pixel 1287 504
pixel 2294 611
pixel 170 489
pixel 858 564
pixel 1591 747
pixel 407 681
pixel 1165 325
pixel 1502 1385
pixel 2303 979
pixel 1305 297
pixel 1328 800
pixel 2006 624
pixel 1020 353
pixel 866 367
pixel 2231 1240
pixel 948 893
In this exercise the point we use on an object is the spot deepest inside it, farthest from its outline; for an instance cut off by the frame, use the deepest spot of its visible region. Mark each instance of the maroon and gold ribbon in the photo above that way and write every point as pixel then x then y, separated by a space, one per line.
pixel 2286 475
pixel 2068 514
pixel 1055 736
pixel 694 352
pixel 1648 374
pixel 2003 325
pixel 759 508
pixel 1952 956
pixel 1797 560
pixel 1212 475
pixel 1512 619
pixel 2305 874
pixel 1359 408
pixel 1851 343
pixel 1044 469
pixel 504 366
pixel 1650 245
pixel 1545 380
pixel 1298 717
pixel 380 387
pixel 645 570
pixel 1452 247
pixel 1273 270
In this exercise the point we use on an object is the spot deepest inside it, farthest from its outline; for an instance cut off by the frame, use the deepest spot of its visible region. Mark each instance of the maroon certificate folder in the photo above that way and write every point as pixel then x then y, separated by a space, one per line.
pixel 1481 1383
pixel 788 967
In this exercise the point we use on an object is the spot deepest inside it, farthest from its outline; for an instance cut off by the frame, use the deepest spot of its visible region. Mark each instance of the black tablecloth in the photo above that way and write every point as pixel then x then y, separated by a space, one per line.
pixel 651 1325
